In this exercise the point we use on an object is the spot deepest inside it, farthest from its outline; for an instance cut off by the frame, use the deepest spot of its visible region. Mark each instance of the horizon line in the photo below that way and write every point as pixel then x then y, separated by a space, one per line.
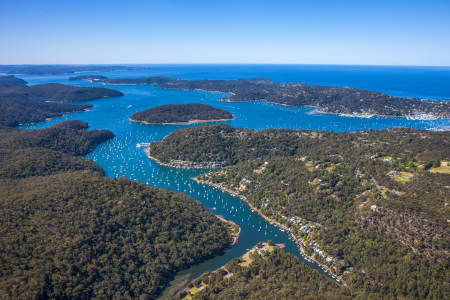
pixel 221 63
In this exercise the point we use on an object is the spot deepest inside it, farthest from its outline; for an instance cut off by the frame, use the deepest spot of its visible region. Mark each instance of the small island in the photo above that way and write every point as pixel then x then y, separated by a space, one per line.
pixel 181 114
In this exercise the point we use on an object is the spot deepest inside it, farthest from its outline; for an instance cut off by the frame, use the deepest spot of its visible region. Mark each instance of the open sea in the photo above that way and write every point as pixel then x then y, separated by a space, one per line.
pixel 120 157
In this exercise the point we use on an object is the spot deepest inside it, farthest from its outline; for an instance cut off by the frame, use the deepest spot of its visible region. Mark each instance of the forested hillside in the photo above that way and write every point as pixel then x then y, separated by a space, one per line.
pixel 27 162
pixel 15 111
pixel 67 232
pixel 6 81
pixel 181 113
pixel 270 275
pixel 66 93
pixel 58 138
pixel 228 145
pixel 372 206
pixel 73 124
pixel 20 104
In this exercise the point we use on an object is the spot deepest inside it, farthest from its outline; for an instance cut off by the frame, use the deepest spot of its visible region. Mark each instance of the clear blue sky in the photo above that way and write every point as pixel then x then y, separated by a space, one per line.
pixel 208 31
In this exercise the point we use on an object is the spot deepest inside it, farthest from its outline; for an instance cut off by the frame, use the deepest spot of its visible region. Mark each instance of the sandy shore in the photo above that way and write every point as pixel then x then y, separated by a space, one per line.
pixel 182 123
pixel 147 152
pixel 299 242
pixel 235 234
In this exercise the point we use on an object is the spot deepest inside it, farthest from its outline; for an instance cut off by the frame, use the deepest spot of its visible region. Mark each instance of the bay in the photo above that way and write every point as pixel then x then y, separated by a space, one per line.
pixel 121 156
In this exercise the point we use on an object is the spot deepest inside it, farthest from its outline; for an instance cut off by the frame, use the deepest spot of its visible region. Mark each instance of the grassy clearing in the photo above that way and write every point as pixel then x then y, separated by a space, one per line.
pixel 411 165
pixel 331 169
pixel 383 191
pixel 194 291
pixel 247 260
pixel 386 158
pixel 443 169
pixel 316 181
pixel 403 177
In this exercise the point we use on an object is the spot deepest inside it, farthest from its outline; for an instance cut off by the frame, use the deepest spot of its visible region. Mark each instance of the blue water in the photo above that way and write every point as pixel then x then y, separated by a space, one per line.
pixel 120 156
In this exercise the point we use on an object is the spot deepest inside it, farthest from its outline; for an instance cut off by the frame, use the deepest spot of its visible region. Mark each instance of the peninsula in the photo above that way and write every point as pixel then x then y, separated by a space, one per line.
pixel 181 114
pixel 363 205
pixel 56 92
pixel 20 103
pixel 345 101
pixel 7 81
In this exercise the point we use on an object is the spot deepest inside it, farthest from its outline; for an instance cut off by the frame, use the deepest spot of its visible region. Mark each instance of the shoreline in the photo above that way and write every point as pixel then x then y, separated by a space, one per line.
pixel 317 110
pixel 55 117
pixel 327 269
pixel 177 288
pixel 430 117
pixel 254 249
pixel 181 123
pixel 234 234
pixel 147 152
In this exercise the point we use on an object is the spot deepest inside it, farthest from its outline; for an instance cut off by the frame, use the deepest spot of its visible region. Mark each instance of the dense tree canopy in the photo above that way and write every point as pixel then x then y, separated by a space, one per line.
pixel 66 93
pixel 66 231
pixel 63 139
pixel 20 163
pixel 14 112
pixel 371 205
pixel 6 81
pixel 81 235
pixel 229 145
pixel 73 124
pixel 175 113
pixel 20 104
pixel 272 275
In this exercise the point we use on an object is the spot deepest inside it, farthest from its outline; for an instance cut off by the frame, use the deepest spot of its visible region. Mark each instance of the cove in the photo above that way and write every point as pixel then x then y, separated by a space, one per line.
pixel 121 156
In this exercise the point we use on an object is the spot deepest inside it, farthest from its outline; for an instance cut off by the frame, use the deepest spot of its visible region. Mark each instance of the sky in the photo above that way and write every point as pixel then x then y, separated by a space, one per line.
pixel 209 31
